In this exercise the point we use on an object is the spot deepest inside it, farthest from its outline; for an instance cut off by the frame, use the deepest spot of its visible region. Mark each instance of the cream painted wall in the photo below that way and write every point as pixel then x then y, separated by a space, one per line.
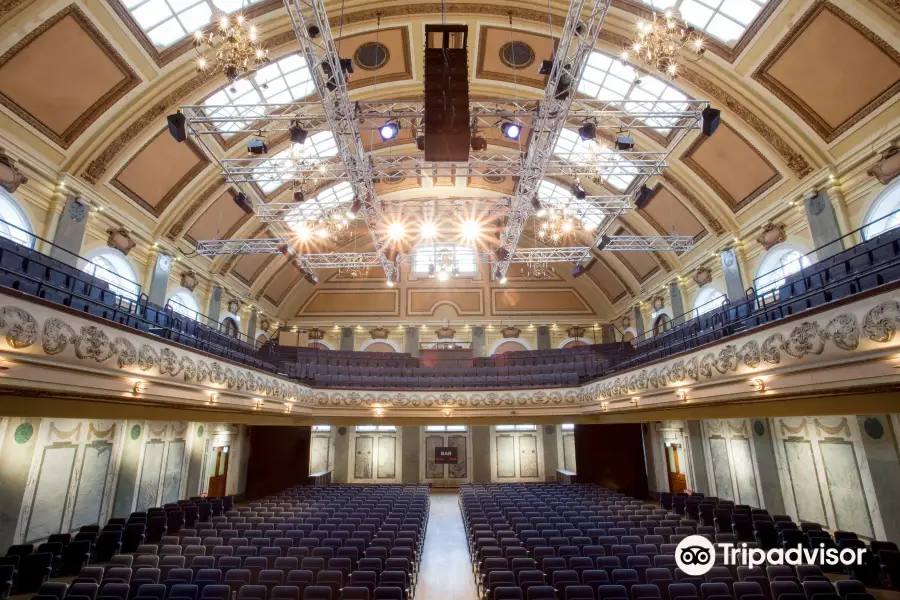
pixel 59 474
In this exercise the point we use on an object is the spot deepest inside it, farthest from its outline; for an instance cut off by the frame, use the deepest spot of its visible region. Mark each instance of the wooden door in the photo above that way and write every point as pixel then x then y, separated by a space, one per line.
pixel 674 458
pixel 218 475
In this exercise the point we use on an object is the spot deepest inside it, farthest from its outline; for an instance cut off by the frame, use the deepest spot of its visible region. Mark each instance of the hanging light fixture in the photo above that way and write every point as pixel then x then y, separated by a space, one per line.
pixel 556 227
pixel 661 43
pixel 539 270
pixel 231 47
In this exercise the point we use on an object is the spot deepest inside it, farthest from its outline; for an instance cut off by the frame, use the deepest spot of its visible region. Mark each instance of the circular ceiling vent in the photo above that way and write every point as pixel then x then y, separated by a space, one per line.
pixel 516 55
pixel 494 178
pixel 371 56
pixel 395 177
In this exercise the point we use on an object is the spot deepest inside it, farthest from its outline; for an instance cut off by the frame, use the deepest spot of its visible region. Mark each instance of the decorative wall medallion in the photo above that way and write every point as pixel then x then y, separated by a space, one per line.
pixel 10 175
pixel 371 56
pixel 76 211
pixel 147 358
pixel 653 378
pixel 677 372
pixel 200 431
pixel 727 359
pixel 658 303
pixel 642 380
pixel 880 323
pixel 749 354
pixel 92 343
pixel 135 432
pixel 771 349
pixel 23 433
pixel 21 328
pixel 843 331
pixel 626 322
pixel 873 428
pixel 342 431
pixel 888 168
pixel 168 362
pixel 445 333
pixel 234 306
pixel 804 340
pixel 164 263
pixel 379 333
pixel 516 55
pixel 576 331
pixel 758 428
pixel 706 364
pixel 728 257
pixel 126 352
pixel 511 332
pixel 693 369
pixel 548 429
pixel 56 336
pixel 702 276
pixel 771 234
pixel 120 239
pixel 816 203
pixel 189 280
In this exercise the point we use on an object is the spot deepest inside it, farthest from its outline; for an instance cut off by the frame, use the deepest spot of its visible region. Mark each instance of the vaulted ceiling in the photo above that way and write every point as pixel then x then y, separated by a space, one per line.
pixel 84 92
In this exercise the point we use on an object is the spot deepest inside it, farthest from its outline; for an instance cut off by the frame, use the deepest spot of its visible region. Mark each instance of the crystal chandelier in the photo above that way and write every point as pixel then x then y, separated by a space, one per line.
pixel 660 42
pixel 337 222
pixel 539 270
pixel 555 227
pixel 353 271
pixel 444 266
pixel 231 48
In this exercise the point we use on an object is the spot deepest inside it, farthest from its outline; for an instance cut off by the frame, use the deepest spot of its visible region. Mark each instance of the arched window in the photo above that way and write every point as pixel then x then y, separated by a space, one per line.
pixel 230 327
pixel 884 213
pixel 628 337
pixel 661 324
pixel 708 298
pixel 112 267
pixel 379 346
pixel 509 346
pixel 184 303
pixel 444 261
pixel 778 263
pixel 17 227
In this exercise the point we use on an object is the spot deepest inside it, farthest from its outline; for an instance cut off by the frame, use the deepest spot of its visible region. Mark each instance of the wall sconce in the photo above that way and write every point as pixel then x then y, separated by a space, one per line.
pixel 288 407
pixel 258 403
pixel 447 412
pixel 758 384
pixel 379 412
pixel 604 406
pixel 682 395
pixel 635 400
pixel 213 397
pixel 140 387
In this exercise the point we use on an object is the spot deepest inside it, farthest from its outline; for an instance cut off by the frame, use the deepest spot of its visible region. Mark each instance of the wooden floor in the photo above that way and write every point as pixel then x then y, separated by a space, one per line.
pixel 445 572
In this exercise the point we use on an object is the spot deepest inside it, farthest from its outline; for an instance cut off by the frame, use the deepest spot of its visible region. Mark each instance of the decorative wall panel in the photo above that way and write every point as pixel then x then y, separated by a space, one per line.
pixel 743 472
pixel 568 443
pixel 804 480
pixel 506 456
pixel 528 459
pixel 362 302
pixel 847 494
pixel 387 457
pixel 460 469
pixel 542 302
pixel 718 448
pixel 362 466
pixel 91 484
pixel 432 469
pixel 319 450
pixel 174 465
pixel 53 482
pixel 151 472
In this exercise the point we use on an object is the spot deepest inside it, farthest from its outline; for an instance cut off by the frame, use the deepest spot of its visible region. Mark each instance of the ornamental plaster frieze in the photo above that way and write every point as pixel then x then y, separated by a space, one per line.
pixel 36 330
pixel 869 325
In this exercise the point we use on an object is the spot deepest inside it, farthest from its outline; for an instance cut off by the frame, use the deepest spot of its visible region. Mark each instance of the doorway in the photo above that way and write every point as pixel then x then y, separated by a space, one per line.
pixel 449 474
pixel 675 468
pixel 218 471
pixel 517 453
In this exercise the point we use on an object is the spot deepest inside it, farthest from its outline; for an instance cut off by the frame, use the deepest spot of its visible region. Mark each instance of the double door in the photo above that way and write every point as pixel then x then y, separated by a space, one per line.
pixel 517 456
pixel 446 475
pixel 218 471
pixel 675 468
pixel 375 457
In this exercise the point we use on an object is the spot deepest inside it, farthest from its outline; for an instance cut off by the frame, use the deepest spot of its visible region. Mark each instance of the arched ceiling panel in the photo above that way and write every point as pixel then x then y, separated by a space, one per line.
pixel 63 75
pixel 277 288
pixel 609 281
pixel 669 216
pixel 219 221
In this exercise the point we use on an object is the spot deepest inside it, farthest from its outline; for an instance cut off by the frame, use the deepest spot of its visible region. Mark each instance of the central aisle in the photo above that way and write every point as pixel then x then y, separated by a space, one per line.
pixel 446 573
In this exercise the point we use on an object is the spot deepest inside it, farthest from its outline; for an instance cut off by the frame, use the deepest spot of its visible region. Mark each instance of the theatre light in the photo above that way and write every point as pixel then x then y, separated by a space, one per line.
pixel 389 130
pixel 298 134
pixel 396 231
pixel 510 130
pixel 588 130
pixel 257 146
pixel 624 143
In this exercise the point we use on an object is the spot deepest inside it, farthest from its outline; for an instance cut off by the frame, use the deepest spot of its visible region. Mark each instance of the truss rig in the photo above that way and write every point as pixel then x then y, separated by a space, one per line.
pixel 546 118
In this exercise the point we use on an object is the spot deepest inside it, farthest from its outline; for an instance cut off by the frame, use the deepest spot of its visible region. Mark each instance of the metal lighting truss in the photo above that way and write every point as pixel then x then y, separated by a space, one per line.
pixel 310 22
pixel 575 44
pixel 277 118
pixel 332 260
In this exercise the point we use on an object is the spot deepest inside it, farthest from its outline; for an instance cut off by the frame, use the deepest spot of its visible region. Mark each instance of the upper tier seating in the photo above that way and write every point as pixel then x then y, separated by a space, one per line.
pixel 585 541
pixel 305 543
pixel 862 268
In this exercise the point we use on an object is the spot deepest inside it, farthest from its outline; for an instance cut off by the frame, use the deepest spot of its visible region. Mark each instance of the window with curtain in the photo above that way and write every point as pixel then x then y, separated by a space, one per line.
pixel 230 327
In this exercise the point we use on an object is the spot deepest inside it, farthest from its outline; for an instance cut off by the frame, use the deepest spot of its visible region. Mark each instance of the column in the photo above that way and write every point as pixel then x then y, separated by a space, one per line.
pixel 543 337
pixel 159 280
pixel 677 303
pixel 215 306
pixel 607 333
pixel 341 455
pixel 734 283
pixel 70 229
pixel 481 454
pixel 638 323
pixel 879 443
pixel 823 225
pixel 347 339
pixel 411 341
pixel 551 451
pixel 479 344
pixel 764 447
pixel 699 478
pixel 251 323
pixel 409 468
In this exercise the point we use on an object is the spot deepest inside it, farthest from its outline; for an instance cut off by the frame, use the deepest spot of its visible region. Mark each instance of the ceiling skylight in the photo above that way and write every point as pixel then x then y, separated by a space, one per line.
pixel 314 208
pixel 725 20
pixel 606 78
pixel 285 80
pixel 556 196
pixel 168 21
pixel 318 146
pixel 572 148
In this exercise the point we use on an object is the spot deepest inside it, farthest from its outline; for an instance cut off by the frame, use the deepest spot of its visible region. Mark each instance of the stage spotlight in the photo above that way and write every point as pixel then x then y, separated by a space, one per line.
pixel 299 196
pixel 624 143
pixel 420 143
pixel 604 242
pixel 582 268
pixel 176 127
pixel 588 130
pixel 545 67
pixel 501 253
pixel 510 130
pixel 579 192
pixel 313 31
pixel 298 134
pixel 538 207
pixel 643 197
pixel 479 143
pixel 470 229
pixel 389 131
pixel 311 277
pixel 355 207
pixel 346 65
pixel 243 202
pixel 428 230
pixel 257 146
pixel 710 120
pixel 396 231
pixel 302 230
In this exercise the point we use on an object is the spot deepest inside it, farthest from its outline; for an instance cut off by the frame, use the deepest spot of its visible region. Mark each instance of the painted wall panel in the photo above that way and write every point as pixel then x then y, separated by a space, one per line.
pixel 362 465
pixel 528 459
pixel 743 472
pixel 433 470
pixel 460 469
pixel 847 495
pixel 506 458
pixel 52 489
pixel 721 470
pixel 320 446
pixel 174 464
pixel 804 480
pixel 91 485
pixel 150 474
pixel 568 441
pixel 387 456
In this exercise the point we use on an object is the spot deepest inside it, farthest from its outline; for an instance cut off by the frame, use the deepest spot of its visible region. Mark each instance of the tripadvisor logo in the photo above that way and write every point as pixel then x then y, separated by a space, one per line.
pixel 695 555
